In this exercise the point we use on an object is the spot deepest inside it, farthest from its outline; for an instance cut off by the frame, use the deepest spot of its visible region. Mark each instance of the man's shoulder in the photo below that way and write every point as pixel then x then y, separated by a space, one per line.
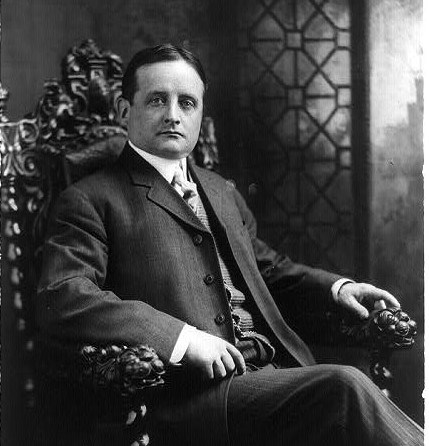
pixel 102 182
pixel 103 176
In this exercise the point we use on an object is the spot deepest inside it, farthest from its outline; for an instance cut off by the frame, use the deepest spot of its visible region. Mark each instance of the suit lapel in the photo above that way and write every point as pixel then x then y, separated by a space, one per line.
pixel 217 198
pixel 160 191
pixel 223 208
pixel 207 187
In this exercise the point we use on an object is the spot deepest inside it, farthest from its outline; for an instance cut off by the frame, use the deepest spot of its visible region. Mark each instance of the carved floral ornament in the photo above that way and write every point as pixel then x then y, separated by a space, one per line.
pixel 80 110
pixel 72 113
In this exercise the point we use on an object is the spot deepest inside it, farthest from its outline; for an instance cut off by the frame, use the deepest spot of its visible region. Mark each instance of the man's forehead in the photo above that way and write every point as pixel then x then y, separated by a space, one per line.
pixel 169 74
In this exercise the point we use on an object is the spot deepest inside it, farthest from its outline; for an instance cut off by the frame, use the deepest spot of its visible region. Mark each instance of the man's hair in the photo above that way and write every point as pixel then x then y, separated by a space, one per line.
pixel 160 53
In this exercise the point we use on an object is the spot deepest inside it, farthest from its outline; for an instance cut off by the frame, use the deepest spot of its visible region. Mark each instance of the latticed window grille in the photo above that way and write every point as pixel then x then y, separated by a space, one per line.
pixel 295 88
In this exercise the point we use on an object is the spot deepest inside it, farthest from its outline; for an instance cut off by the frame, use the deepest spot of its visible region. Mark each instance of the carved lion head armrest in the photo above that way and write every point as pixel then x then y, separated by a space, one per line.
pixel 384 332
pixel 122 369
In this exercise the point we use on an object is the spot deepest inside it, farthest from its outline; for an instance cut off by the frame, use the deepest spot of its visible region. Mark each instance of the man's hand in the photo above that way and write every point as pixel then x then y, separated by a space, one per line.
pixel 215 357
pixel 358 298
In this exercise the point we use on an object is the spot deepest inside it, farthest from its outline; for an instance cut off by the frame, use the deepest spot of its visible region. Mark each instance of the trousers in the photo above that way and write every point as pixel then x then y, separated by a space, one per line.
pixel 317 405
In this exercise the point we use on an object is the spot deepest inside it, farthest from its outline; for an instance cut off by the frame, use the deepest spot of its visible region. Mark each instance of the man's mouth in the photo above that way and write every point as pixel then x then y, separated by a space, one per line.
pixel 171 133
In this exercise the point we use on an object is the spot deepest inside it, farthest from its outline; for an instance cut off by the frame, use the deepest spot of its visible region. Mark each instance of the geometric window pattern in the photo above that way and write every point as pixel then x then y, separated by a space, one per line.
pixel 294 85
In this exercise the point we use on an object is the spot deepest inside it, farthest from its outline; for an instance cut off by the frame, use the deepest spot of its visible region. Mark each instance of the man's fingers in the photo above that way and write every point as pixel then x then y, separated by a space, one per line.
pixel 379 304
pixel 215 357
pixel 371 294
pixel 219 369
pixel 238 359
pixel 357 308
pixel 390 300
pixel 228 362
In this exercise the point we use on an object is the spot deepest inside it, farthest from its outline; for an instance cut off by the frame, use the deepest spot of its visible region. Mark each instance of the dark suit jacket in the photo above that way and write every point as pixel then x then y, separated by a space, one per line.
pixel 122 263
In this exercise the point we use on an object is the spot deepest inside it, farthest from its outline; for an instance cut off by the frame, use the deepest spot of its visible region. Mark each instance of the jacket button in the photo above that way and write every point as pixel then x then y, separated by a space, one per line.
pixel 209 279
pixel 198 239
pixel 220 319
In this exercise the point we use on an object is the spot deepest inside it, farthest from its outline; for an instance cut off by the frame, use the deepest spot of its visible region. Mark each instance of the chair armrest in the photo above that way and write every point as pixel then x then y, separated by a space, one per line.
pixel 112 373
pixel 382 333
pixel 390 329
pixel 125 370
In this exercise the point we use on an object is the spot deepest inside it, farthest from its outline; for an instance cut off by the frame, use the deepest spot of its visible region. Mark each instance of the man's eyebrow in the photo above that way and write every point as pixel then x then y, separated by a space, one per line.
pixel 156 92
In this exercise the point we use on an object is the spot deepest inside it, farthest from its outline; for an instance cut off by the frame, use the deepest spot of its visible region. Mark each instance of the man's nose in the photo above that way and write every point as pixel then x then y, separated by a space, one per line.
pixel 172 114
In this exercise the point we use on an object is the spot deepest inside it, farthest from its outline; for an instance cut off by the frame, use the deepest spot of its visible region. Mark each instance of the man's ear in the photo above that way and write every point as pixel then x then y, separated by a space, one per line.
pixel 123 110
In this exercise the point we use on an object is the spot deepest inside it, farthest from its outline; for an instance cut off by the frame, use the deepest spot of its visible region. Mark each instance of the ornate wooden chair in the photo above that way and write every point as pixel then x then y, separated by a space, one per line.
pixel 72 132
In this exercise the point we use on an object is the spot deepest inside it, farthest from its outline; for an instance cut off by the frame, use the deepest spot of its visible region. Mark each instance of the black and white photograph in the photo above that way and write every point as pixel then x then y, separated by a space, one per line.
pixel 212 225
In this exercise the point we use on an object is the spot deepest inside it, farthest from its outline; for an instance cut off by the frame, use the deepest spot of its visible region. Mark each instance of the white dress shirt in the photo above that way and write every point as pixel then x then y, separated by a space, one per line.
pixel 166 168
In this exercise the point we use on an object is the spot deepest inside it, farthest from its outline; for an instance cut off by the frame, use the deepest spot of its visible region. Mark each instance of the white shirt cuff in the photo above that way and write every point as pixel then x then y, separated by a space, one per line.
pixel 182 344
pixel 336 287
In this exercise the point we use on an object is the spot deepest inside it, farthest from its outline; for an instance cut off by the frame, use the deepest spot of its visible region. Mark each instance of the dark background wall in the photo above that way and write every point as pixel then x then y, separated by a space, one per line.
pixel 37 34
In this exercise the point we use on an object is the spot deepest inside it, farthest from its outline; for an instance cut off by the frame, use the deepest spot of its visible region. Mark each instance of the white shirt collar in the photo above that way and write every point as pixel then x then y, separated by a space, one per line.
pixel 164 166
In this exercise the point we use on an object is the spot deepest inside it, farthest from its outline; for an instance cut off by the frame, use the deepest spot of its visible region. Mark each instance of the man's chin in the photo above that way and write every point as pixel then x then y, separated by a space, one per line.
pixel 172 151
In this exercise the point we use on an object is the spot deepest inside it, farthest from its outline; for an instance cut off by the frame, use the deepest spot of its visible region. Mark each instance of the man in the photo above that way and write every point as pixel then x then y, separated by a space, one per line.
pixel 154 250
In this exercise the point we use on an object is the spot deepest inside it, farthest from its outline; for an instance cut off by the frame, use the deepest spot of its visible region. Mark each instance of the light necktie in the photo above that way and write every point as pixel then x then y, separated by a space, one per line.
pixel 185 188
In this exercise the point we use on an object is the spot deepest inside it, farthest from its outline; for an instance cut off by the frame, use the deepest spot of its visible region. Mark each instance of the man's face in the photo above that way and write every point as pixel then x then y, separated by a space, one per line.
pixel 165 117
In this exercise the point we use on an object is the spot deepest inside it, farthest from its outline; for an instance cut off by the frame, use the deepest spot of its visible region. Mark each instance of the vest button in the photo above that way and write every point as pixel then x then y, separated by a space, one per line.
pixel 220 319
pixel 209 279
pixel 198 239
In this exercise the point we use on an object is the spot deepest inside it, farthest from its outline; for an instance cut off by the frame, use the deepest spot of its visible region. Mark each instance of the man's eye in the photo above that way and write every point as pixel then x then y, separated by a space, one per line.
pixel 157 101
pixel 187 103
